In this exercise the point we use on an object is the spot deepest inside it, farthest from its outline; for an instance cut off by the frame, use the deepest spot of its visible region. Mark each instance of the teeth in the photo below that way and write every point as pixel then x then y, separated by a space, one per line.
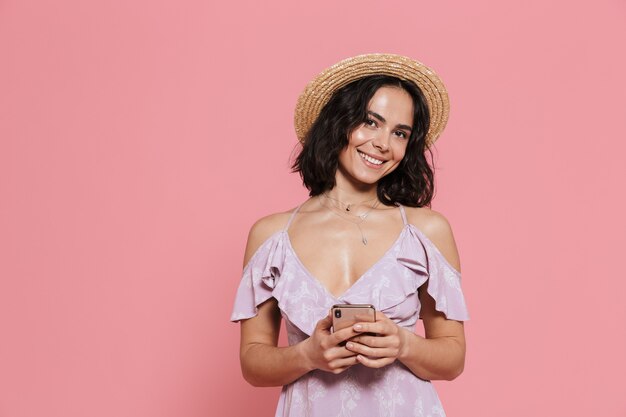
pixel 370 159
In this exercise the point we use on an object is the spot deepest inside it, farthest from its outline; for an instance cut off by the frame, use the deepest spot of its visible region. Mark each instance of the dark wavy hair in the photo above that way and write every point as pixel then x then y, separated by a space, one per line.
pixel 410 184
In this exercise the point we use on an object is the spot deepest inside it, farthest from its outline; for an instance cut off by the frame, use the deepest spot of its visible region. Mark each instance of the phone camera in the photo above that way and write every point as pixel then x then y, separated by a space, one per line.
pixel 338 314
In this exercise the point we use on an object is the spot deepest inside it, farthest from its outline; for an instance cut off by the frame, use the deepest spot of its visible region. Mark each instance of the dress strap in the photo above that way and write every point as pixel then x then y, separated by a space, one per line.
pixel 403 214
pixel 293 214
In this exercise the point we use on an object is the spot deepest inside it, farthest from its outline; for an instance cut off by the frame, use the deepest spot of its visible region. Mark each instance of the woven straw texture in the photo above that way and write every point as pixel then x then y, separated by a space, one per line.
pixel 318 92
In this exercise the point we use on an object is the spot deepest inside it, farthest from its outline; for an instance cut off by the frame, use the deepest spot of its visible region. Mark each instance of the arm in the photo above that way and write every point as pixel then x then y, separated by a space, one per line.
pixel 439 355
pixel 263 362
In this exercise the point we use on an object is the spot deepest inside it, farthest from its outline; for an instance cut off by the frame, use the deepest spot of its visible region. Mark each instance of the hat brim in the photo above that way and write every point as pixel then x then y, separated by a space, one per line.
pixel 319 91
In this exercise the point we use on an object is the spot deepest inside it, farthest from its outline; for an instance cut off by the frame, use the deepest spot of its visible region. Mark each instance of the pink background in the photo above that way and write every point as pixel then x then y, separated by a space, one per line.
pixel 139 140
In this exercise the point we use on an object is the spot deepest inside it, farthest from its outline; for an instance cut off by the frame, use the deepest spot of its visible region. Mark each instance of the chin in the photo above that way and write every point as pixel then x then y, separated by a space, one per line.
pixel 369 179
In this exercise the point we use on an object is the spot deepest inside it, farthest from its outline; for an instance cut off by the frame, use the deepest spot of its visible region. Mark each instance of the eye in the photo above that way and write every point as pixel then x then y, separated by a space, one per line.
pixel 401 133
pixel 370 122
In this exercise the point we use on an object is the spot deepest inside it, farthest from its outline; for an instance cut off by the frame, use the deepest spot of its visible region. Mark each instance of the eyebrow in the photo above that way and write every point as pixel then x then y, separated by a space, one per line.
pixel 382 119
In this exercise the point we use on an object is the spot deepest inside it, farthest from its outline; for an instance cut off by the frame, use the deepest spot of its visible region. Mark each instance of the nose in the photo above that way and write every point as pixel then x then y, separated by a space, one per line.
pixel 381 141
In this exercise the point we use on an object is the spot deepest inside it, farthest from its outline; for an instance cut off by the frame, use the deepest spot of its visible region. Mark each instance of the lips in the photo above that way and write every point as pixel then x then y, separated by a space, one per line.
pixel 370 159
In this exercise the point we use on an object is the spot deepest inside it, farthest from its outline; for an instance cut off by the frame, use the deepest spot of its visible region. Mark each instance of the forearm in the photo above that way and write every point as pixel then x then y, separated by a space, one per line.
pixel 265 365
pixel 432 359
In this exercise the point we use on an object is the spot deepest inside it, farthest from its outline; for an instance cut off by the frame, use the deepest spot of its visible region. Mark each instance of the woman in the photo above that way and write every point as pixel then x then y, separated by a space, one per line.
pixel 365 236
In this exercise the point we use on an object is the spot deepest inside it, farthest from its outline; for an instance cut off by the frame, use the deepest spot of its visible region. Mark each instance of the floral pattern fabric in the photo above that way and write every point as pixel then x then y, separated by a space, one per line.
pixel 391 285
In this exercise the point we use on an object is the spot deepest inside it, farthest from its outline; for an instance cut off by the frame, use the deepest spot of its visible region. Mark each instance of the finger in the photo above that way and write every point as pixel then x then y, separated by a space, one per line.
pixel 370 352
pixel 337 371
pixel 338 353
pixel 325 323
pixel 374 363
pixel 381 316
pixel 383 326
pixel 377 327
pixel 343 335
pixel 375 341
pixel 343 363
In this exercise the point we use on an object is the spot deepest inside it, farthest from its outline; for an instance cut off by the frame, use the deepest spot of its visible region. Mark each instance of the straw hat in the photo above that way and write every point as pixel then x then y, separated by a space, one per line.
pixel 318 92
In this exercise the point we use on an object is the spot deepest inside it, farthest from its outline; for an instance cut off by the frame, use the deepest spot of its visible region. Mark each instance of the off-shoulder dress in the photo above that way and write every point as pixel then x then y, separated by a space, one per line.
pixel 391 285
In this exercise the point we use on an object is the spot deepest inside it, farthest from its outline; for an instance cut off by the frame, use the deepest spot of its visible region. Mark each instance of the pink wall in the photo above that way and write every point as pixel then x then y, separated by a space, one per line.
pixel 139 140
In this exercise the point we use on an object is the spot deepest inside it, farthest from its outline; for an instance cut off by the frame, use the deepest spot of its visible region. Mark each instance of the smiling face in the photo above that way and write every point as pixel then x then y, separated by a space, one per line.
pixel 376 147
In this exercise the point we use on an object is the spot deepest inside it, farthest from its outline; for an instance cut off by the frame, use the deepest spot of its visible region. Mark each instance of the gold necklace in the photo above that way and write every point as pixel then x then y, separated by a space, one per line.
pixel 360 218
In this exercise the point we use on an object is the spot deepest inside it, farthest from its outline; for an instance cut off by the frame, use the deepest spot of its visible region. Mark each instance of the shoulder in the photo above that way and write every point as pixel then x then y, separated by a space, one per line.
pixel 262 230
pixel 436 227
pixel 430 222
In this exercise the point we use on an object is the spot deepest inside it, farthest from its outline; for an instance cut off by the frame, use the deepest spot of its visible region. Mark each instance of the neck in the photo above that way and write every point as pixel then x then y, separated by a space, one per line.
pixel 348 192
pixel 349 197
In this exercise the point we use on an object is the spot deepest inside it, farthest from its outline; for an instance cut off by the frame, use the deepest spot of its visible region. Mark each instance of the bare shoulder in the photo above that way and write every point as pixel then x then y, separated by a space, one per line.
pixel 438 230
pixel 262 229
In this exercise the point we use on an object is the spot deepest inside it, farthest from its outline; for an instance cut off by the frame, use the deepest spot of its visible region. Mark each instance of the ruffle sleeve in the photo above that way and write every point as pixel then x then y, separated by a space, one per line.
pixel 259 277
pixel 420 255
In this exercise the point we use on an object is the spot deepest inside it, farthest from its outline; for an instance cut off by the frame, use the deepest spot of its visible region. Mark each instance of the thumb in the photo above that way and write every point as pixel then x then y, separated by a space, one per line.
pixel 325 323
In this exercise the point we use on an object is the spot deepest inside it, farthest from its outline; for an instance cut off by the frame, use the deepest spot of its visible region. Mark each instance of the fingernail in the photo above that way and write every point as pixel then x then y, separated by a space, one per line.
pixel 357 327
pixel 349 345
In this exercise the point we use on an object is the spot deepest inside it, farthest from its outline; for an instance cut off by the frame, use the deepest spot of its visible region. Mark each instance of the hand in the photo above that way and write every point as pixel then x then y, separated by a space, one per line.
pixel 383 346
pixel 322 349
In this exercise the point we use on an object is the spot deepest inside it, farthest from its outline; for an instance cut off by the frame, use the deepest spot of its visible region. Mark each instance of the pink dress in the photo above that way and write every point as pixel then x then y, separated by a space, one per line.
pixel 390 285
